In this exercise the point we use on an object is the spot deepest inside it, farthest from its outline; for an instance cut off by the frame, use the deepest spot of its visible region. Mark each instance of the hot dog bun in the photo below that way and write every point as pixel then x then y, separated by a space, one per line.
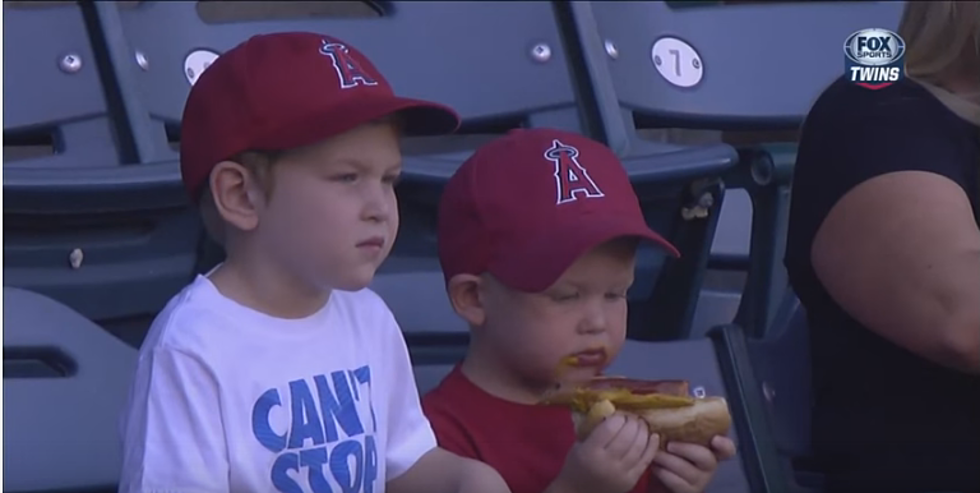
pixel 665 405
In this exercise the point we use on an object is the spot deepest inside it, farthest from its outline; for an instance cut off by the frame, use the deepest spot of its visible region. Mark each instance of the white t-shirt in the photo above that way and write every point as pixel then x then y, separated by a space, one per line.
pixel 228 399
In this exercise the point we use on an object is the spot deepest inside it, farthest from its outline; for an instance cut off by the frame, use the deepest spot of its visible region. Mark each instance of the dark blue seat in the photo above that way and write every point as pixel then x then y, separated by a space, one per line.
pixel 83 226
pixel 64 385
pixel 679 185
pixel 706 65
pixel 699 65
pixel 773 398
pixel 55 115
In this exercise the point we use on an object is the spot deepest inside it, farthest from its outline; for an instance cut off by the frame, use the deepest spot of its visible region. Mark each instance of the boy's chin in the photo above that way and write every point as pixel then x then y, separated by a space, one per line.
pixel 354 280
pixel 579 375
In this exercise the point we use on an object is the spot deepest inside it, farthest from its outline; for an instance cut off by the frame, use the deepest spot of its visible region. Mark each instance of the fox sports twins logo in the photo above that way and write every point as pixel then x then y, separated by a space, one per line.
pixel 874 58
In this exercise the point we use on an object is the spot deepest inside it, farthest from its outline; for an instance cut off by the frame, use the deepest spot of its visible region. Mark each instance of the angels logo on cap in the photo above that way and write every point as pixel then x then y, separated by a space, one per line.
pixel 349 72
pixel 571 178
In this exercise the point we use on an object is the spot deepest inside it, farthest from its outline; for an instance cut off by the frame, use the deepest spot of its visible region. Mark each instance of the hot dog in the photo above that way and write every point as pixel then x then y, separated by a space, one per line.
pixel 666 405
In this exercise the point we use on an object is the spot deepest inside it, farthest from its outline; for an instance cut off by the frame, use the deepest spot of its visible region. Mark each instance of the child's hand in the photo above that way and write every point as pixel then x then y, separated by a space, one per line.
pixel 611 460
pixel 688 468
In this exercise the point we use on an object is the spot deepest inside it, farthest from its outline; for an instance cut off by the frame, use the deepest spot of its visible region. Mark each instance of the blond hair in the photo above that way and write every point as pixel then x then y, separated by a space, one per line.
pixel 943 41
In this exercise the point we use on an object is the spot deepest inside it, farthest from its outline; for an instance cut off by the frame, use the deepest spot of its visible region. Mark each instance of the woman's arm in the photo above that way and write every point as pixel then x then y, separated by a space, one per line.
pixel 900 252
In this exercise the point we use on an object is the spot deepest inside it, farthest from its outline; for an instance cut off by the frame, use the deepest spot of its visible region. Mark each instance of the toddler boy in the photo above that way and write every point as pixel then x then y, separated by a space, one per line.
pixel 537 234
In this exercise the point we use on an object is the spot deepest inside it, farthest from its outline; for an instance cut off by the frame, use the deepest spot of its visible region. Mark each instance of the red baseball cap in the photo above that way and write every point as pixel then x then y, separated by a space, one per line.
pixel 526 206
pixel 286 90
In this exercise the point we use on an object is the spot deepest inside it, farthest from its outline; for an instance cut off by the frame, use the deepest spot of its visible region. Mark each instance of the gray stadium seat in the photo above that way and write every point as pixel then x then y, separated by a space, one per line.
pixel 744 85
pixel 782 364
pixel 693 360
pixel 679 185
pixel 64 384
pixel 84 224
pixel 55 115
pixel 772 376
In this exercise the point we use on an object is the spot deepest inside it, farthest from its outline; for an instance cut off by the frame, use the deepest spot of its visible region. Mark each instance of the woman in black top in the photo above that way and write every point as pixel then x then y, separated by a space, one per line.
pixel 884 252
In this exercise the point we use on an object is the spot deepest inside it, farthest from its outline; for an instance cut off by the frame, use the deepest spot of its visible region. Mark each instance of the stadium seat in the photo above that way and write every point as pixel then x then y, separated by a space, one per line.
pixel 86 224
pixel 771 172
pixel 64 384
pixel 55 115
pixel 694 65
pixel 767 169
pixel 693 360
pixel 782 363
pixel 679 185
pixel 772 378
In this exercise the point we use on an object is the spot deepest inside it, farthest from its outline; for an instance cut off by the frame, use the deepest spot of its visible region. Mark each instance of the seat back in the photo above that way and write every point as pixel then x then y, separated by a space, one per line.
pixel 678 185
pixel 55 114
pixel 521 78
pixel 65 383
pixel 772 376
pixel 693 360
pixel 434 356
pixel 782 364
pixel 692 65
pixel 79 225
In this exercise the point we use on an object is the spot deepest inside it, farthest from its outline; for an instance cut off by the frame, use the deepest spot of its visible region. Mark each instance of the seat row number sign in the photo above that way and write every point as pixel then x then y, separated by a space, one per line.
pixel 677 62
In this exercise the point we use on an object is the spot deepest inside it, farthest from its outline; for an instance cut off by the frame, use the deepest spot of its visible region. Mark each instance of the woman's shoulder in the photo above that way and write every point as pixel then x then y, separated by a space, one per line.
pixel 844 99
pixel 905 105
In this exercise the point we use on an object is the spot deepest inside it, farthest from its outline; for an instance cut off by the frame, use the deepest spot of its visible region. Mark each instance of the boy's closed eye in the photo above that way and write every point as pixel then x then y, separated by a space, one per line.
pixel 344 177
pixel 616 295
pixel 392 178
pixel 564 296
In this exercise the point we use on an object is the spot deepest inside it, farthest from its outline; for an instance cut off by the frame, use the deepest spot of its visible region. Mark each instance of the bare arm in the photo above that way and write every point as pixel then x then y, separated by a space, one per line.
pixel 901 253
pixel 440 471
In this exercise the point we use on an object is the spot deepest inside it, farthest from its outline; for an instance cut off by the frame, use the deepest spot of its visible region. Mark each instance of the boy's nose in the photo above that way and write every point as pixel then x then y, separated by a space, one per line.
pixel 377 214
pixel 377 208
pixel 594 323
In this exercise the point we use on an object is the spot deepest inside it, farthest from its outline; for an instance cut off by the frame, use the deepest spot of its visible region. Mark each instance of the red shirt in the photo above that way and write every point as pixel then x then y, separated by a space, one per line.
pixel 526 444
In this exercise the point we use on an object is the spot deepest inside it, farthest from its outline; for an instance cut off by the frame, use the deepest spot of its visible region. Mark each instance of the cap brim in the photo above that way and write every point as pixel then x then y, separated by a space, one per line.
pixel 536 264
pixel 424 118
pixel 420 118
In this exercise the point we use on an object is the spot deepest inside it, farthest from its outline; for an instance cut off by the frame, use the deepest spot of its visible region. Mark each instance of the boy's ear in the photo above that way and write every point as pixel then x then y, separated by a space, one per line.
pixel 465 295
pixel 234 198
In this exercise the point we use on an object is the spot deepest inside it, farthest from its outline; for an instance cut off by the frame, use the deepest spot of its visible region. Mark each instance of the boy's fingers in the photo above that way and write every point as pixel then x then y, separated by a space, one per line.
pixel 672 481
pixel 620 446
pixel 723 447
pixel 640 445
pixel 607 430
pixel 679 466
pixel 649 453
pixel 653 446
pixel 702 457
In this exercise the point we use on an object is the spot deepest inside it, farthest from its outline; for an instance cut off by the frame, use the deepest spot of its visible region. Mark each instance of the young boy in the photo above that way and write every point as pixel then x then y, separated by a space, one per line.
pixel 537 234
pixel 278 370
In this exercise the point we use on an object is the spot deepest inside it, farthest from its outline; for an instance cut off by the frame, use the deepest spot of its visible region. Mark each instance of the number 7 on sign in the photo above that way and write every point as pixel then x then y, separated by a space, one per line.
pixel 677 62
